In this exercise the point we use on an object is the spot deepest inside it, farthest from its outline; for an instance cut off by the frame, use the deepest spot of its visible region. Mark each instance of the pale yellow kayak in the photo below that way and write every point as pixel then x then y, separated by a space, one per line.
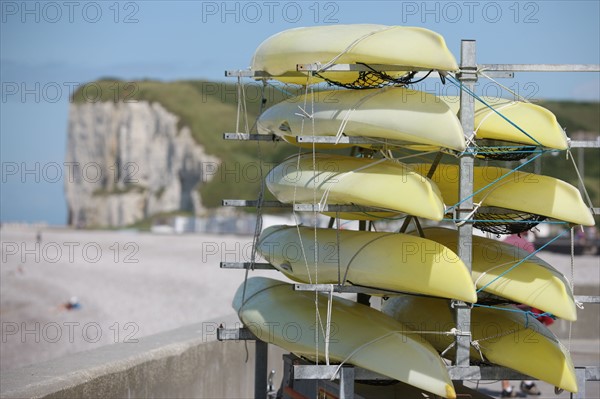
pixel 538 122
pixel 533 282
pixel 520 191
pixel 415 48
pixel 389 261
pixel 359 334
pixel 505 337
pixel 334 179
pixel 421 120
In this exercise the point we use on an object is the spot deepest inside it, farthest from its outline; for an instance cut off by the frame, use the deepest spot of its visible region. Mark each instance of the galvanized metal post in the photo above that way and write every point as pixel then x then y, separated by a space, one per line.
pixel 260 369
pixel 467 77
pixel 581 378
pixel 347 382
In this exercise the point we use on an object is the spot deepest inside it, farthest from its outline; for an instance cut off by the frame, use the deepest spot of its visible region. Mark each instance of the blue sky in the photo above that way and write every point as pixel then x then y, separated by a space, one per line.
pixel 47 48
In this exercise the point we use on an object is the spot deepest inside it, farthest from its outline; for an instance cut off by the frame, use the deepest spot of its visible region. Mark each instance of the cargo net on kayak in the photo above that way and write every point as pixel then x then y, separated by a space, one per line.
pixel 507 223
pixel 488 149
pixel 374 79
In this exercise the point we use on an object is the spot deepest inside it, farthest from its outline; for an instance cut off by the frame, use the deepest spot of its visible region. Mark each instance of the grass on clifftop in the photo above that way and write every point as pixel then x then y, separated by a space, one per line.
pixel 209 109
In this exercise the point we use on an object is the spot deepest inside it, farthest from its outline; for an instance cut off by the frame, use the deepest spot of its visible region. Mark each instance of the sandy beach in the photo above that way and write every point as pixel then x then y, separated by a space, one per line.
pixel 128 284
pixel 131 285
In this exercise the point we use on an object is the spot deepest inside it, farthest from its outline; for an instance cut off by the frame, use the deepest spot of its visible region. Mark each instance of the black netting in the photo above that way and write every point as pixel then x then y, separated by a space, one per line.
pixel 374 79
pixel 505 153
pixel 507 223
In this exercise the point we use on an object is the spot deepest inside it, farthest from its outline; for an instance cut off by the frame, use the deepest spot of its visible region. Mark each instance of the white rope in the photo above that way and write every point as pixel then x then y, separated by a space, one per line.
pixel 490 113
pixel 351 110
pixel 572 282
pixel 325 196
pixel 476 206
pixel 242 109
pixel 582 183
pixel 318 320
pixel 517 95
pixel 453 331
pixel 328 331
pixel 350 46
pixel 482 275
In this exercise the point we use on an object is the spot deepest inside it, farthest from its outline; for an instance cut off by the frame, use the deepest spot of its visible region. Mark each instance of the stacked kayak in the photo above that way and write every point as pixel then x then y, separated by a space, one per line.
pixel 419 120
pixel 344 180
pixel 537 126
pixel 417 274
pixel 501 336
pixel 408 47
pixel 519 191
pixel 512 273
pixel 360 335
pixel 389 261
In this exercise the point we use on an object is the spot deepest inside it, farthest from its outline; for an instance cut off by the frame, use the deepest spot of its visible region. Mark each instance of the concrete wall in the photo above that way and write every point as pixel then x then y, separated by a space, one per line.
pixel 186 362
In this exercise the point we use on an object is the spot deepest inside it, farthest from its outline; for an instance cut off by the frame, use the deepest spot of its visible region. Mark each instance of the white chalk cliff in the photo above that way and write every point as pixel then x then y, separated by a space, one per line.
pixel 128 161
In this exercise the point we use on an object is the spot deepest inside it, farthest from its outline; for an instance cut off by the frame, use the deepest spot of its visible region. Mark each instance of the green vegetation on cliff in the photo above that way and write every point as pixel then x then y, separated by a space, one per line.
pixel 210 109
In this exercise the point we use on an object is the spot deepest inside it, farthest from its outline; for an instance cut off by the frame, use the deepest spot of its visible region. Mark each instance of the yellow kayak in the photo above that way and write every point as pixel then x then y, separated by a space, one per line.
pixel 505 337
pixel 533 282
pixel 538 122
pixel 359 334
pixel 418 119
pixel 415 48
pixel 520 191
pixel 389 261
pixel 335 179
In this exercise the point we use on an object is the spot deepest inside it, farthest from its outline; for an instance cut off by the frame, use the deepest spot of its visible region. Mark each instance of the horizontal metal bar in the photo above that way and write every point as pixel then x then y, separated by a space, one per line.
pixel 485 373
pixel 251 137
pixel 253 203
pixel 587 298
pixel 592 373
pixel 498 75
pixel 585 143
pixel 336 208
pixel 235 334
pixel 345 289
pixel 357 67
pixel 540 67
pixel 242 73
pixel 248 73
pixel 323 372
pixel 247 265
pixel 351 140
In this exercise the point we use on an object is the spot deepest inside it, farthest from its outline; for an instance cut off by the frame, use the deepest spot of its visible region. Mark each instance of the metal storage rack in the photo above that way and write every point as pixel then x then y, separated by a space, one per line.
pixel 461 369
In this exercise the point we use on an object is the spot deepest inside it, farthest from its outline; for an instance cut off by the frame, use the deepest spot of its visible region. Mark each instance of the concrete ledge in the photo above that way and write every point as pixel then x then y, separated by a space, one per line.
pixel 186 362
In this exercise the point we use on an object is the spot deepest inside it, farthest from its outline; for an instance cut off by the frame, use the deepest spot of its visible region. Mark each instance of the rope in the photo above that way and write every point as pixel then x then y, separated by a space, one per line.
pixel 572 282
pixel 349 112
pixel 521 261
pixel 490 114
pixel 328 331
pixel 261 194
pixel 515 310
pixel 458 83
pixel 492 183
pixel 325 196
pixel 517 95
pixel 350 46
pixel 585 192
pixel 453 331
pixel 489 270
